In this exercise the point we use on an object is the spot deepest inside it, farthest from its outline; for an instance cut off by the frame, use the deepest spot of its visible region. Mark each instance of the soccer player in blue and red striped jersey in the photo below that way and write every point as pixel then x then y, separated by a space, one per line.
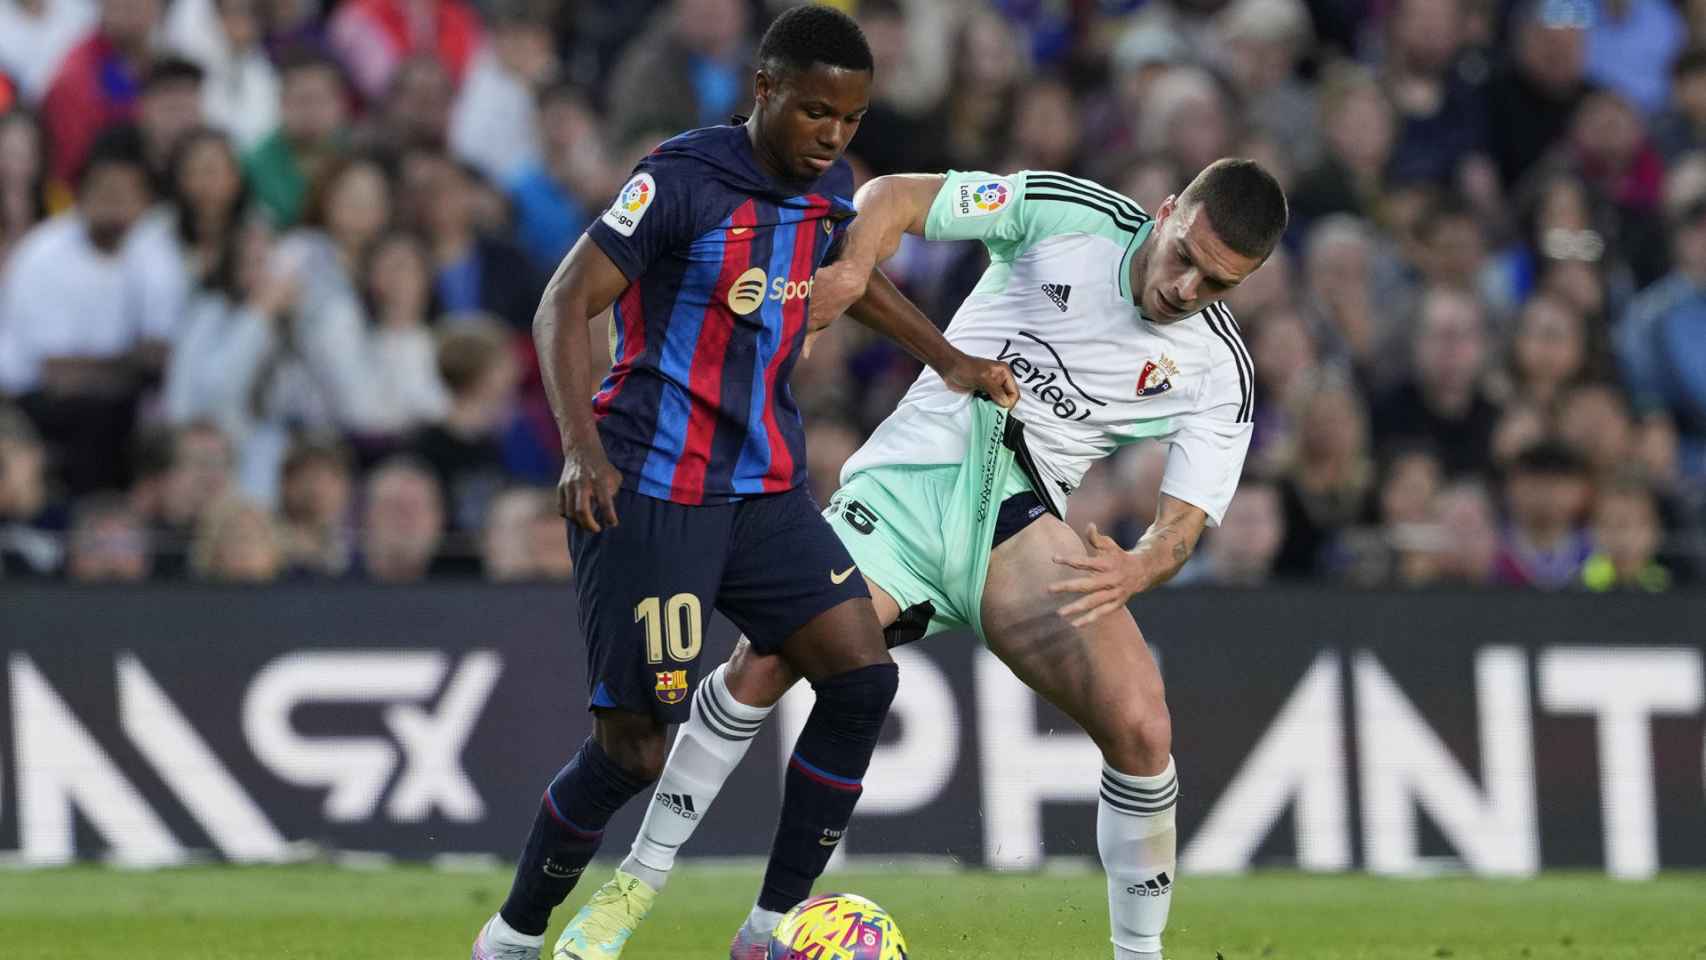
pixel 684 478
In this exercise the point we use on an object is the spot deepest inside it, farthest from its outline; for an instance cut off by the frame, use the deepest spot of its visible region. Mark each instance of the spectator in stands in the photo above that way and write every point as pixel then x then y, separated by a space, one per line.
pixel 1661 341
pixel 1442 401
pixel 1682 127
pixel 240 93
pixel 28 545
pixel 504 553
pixel 556 197
pixel 1359 131
pixel 1468 541
pixel 168 108
pixel 1046 130
pixel 1451 247
pixel 236 541
pixel 1547 490
pixel 313 113
pixel 1593 420
pixel 229 363
pixel 408 391
pixel 989 67
pixel 109 542
pixel 1285 353
pixel 207 200
pixel 1631 47
pixel 478 367
pixel 87 305
pixel 1242 550
pixel 1561 220
pixel 495 122
pixel 1339 297
pixel 689 68
pixel 97 83
pixel 1534 93
pixel 1441 112
pixel 1626 539
pixel 896 135
pixel 1520 426
pixel 1609 145
pixel 402 524
pixel 35 35
pixel 23 179
pixel 1138 470
pixel 1330 485
pixel 1187 118
pixel 329 382
pixel 525 538
pixel 1270 286
pixel 416 107
pixel 474 271
pixel 186 470
pixel 316 488
pixel 1409 487
pixel 1548 351
pixel 1264 40
pixel 374 37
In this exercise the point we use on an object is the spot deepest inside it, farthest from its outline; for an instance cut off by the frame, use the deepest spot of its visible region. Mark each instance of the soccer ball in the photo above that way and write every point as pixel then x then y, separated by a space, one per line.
pixel 837 926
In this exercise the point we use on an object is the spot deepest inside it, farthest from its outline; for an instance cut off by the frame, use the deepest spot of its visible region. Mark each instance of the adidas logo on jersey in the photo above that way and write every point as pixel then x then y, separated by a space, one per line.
pixel 1058 292
pixel 680 804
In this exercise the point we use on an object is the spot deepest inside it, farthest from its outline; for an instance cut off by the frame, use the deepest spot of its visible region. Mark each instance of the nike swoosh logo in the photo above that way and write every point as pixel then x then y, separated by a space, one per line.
pixel 828 841
pixel 838 578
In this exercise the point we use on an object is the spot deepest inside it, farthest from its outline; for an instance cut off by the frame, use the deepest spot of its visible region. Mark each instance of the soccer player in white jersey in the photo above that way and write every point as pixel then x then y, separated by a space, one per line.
pixel 954 509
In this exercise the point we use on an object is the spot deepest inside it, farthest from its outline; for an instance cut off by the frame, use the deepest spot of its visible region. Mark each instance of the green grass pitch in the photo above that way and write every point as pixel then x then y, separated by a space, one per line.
pixel 313 912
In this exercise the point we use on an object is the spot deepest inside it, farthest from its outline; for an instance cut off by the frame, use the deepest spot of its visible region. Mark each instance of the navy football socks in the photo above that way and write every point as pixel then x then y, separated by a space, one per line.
pixel 566 833
pixel 824 779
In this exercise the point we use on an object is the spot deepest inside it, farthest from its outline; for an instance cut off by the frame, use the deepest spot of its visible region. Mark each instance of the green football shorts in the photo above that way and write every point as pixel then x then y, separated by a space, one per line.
pixel 923 533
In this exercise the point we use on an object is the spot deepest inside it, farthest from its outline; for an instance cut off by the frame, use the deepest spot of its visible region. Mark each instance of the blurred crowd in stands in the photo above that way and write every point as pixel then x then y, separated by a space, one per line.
pixel 268 267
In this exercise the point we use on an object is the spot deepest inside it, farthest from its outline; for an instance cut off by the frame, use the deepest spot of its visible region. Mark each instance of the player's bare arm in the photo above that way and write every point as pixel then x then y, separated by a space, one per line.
pixel 585 284
pixel 1113 575
pixel 887 311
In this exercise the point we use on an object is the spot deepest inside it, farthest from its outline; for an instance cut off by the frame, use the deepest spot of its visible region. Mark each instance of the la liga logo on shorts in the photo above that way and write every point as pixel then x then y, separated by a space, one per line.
pixel 672 685
pixel 631 204
pixel 979 199
pixel 1157 376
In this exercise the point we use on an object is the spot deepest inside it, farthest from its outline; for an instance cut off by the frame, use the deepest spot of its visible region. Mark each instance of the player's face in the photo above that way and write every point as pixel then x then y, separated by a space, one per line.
pixel 808 119
pixel 1189 265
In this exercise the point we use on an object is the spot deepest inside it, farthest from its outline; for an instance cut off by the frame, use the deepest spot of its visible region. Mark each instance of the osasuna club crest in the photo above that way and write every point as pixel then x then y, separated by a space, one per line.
pixel 1157 376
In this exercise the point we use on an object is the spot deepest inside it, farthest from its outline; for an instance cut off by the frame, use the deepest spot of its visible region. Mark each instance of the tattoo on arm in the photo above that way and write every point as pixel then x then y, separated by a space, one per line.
pixel 1181 552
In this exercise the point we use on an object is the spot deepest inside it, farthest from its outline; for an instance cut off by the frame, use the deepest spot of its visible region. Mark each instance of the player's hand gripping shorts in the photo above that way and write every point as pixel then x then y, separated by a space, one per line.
pixel 924 533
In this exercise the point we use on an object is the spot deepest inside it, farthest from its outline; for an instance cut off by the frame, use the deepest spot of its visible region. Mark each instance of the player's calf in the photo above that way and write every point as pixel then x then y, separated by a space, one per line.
pixel 577 804
pixel 826 771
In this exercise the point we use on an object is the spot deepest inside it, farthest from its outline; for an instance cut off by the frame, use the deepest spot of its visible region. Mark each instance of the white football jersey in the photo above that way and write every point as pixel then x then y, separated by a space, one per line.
pixel 1056 305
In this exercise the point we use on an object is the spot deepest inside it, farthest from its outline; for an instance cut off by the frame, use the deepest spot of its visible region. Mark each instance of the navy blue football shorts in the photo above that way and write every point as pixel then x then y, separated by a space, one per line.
pixel 647 587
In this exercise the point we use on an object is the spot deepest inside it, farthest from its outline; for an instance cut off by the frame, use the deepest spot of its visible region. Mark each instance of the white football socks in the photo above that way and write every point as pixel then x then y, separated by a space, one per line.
pixel 1138 844
pixel 707 749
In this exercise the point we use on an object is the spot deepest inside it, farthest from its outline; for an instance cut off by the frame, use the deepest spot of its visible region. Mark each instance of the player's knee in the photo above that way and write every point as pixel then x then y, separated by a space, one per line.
pixel 637 748
pixel 857 701
pixel 1140 739
pixel 755 679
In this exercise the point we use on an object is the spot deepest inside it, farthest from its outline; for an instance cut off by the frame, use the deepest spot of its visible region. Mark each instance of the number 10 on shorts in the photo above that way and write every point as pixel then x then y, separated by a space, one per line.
pixel 676 619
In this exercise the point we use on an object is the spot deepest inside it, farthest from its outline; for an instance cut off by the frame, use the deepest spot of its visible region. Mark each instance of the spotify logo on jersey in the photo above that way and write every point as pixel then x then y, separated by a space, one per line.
pixel 747 292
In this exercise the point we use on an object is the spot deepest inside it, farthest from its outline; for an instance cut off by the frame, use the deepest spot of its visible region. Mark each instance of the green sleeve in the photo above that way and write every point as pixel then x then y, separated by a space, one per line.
pixel 1012 213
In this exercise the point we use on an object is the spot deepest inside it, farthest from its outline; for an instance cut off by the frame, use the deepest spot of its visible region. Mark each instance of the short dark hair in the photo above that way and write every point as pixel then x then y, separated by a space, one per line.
pixel 305 57
pixel 170 70
pixel 1693 60
pixel 810 34
pixel 1244 203
pixel 1549 458
pixel 119 146
pixel 468 348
